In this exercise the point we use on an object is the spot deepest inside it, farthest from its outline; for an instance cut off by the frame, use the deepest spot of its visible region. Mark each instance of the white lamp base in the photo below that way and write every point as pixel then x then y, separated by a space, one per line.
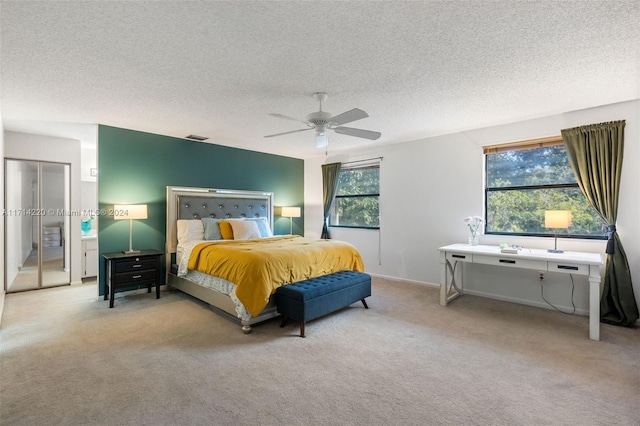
pixel 131 250
pixel 555 249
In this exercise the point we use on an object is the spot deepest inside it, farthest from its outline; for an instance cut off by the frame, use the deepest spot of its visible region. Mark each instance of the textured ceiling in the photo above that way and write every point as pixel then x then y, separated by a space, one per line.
pixel 218 68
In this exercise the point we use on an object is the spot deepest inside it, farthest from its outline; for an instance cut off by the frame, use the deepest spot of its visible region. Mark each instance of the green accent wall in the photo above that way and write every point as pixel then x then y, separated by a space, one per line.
pixel 136 167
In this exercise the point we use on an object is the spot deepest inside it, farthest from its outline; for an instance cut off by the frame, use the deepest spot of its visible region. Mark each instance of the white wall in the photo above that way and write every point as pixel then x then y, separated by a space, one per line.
pixel 429 186
pixel 47 148
pixel 88 188
pixel 89 160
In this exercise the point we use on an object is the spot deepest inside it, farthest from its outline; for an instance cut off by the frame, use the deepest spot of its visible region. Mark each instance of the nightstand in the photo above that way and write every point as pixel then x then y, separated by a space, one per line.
pixel 129 270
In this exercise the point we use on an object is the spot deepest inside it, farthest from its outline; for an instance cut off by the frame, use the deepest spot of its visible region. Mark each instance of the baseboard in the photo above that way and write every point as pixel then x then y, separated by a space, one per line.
pixel 404 280
pixel 527 302
pixel 2 293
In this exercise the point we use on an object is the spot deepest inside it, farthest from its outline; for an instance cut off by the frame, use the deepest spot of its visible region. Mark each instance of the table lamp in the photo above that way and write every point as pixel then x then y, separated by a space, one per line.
pixel 130 211
pixel 557 219
pixel 290 212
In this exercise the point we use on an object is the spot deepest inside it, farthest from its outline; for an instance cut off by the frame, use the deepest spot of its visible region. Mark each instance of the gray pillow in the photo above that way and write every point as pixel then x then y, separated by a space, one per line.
pixel 211 228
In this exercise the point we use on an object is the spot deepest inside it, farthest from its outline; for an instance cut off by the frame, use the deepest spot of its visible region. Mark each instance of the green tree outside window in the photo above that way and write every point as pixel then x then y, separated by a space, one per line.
pixel 356 204
pixel 522 183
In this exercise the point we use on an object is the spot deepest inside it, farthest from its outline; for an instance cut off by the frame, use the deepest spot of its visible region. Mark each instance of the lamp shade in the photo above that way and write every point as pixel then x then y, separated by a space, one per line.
pixel 290 212
pixel 557 219
pixel 129 211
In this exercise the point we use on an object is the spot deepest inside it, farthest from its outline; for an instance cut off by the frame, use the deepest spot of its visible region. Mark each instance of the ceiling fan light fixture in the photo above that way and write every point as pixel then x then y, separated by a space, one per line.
pixel 322 139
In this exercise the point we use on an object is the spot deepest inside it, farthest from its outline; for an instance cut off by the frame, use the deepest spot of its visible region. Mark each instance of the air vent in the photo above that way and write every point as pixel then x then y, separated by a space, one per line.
pixel 197 138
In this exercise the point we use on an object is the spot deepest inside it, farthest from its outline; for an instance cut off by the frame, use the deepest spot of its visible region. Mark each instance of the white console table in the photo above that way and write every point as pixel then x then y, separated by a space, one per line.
pixel 539 260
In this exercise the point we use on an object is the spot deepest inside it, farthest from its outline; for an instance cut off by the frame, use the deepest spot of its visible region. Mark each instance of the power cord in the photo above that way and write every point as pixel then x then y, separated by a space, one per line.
pixel 573 286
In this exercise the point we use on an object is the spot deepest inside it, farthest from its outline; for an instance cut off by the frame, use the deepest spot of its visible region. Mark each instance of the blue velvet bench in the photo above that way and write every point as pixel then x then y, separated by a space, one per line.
pixel 310 299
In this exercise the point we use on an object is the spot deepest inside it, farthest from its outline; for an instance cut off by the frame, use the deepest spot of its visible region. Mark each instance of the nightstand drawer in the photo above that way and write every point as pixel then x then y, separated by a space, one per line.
pixel 133 277
pixel 511 261
pixel 138 264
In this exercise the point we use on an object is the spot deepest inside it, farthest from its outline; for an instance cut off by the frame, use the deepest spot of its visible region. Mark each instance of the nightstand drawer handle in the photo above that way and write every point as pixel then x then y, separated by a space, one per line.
pixel 136 276
pixel 507 261
pixel 458 256
pixel 137 266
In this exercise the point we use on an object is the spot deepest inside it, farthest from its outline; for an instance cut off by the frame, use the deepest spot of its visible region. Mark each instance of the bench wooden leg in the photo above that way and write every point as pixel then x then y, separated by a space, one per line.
pixel 365 304
pixel 284 322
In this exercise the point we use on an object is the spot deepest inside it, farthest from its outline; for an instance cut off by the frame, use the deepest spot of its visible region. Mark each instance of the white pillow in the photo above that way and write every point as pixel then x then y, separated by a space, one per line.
pixel 244 229
pixel 189 230
pixel 263 226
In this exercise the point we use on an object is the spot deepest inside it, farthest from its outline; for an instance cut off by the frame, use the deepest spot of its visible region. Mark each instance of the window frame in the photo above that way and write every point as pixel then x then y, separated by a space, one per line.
pixel 521 145
pixel 369 165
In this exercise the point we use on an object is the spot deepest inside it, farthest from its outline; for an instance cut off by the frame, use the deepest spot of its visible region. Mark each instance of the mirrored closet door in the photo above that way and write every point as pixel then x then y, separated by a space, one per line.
pixel 37 207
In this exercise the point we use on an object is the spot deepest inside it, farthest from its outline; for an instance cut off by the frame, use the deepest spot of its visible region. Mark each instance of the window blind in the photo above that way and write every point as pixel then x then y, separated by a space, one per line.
pixel 529 144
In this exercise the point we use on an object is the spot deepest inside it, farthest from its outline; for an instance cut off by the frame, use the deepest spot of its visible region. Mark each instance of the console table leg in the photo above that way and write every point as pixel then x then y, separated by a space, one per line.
pixel 594 306
pixel 448 292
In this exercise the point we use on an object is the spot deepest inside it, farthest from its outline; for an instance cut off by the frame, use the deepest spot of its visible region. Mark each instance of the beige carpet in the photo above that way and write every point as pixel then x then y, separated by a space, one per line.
pixel 67 359
pixel 52 269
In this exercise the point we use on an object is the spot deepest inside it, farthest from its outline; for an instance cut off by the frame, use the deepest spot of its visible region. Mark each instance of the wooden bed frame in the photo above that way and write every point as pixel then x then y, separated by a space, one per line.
pixel 196 203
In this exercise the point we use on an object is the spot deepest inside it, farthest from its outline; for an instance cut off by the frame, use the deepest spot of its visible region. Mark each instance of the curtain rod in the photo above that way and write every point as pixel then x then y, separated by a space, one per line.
pixel 361 161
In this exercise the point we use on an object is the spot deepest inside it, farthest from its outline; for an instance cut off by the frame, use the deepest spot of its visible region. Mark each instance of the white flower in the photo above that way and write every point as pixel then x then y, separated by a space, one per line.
pixel 474 222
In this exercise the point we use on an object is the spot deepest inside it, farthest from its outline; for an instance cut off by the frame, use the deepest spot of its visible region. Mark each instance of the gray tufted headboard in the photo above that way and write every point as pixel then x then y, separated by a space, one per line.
pixel 196 203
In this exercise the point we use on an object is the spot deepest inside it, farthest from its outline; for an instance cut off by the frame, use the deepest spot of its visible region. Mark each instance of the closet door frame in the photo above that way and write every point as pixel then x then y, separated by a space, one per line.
pixel 37 212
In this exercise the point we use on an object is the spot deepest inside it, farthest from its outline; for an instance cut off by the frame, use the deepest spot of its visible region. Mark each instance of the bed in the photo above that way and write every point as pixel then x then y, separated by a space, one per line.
pixel 238 277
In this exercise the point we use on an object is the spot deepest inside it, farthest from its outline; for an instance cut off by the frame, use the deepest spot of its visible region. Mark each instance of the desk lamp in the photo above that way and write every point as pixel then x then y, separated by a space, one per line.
pixel 130 211
pixel 557 219
pixel 290 212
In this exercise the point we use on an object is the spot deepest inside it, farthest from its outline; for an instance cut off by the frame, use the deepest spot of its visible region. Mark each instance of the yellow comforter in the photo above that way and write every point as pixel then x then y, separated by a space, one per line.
pixel 258 267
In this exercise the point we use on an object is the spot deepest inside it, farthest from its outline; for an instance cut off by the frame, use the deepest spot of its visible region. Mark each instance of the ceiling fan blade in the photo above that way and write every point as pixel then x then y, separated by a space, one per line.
pixel 286 117
pixel 286 133
pixel 349 116
pixel 359 133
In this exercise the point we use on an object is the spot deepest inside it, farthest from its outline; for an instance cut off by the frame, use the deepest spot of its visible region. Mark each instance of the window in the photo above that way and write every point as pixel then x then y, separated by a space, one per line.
pixel 357 198
pixel 525 179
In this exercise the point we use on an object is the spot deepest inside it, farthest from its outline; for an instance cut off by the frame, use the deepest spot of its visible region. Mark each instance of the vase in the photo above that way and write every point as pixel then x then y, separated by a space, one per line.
pixel 474 239
pixel 86 226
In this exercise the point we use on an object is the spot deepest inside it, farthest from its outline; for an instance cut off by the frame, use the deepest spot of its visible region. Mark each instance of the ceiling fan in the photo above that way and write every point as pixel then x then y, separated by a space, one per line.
pixel 321 121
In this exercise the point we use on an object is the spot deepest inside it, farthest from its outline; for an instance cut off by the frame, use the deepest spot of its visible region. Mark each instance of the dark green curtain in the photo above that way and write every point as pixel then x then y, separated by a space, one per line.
pixel 330 174
pixel 595 153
